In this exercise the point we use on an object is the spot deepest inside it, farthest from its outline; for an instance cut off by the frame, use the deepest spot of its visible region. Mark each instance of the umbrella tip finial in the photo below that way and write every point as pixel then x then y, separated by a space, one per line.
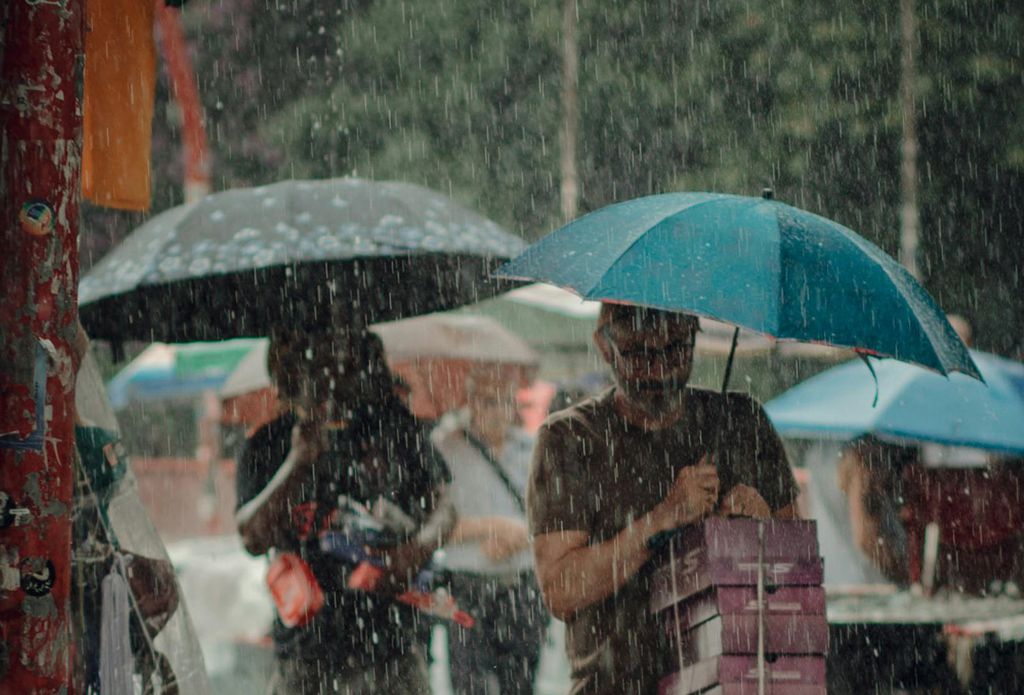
pixel 768 193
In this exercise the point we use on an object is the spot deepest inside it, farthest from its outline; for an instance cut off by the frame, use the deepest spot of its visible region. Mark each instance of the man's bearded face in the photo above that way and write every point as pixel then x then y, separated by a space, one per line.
pixel 651 356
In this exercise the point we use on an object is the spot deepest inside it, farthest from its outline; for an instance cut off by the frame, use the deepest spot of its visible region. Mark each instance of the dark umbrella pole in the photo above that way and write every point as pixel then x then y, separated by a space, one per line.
pixel 761 679
pixel 732 356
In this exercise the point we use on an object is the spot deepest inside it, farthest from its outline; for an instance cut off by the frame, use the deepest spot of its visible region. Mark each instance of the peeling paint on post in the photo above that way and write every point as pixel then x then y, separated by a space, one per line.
pixel 40 160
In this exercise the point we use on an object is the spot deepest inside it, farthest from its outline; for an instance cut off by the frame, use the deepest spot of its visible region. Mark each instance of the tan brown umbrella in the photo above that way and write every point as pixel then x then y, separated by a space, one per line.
pixel 432 354
pixel 454 336
pixel 575 317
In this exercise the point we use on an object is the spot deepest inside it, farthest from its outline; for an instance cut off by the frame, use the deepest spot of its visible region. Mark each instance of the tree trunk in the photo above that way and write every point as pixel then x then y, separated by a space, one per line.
pixel 40 160
pixel 910 221
pixel 570 111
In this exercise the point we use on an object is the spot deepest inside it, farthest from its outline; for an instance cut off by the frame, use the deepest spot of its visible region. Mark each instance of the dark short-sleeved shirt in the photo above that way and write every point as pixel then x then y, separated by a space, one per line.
pixel 592 471
pixel 381 453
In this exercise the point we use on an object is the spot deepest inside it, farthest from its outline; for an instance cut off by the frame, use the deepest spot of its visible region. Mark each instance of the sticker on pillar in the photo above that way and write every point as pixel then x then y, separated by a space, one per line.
pixel 26 428
pixel 10 513
pixel 37 576
pixel 37 218
pixel 10 575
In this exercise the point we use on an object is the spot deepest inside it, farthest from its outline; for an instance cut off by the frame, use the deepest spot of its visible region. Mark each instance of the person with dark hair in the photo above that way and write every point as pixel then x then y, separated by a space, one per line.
pixel 646 456
pixel 345 442
pixel 871 476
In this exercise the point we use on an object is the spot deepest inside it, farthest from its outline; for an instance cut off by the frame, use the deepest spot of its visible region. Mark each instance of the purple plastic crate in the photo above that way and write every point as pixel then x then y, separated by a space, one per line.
pixel 737 675
pixel 693 577
pixel 748 689
pixel 737 634
pixel 739 600
pixel 792 539
pixel 724 552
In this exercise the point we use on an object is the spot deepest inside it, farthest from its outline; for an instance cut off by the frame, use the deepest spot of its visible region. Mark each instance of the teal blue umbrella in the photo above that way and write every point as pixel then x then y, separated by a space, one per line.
pixel 913 404
pixel 752 262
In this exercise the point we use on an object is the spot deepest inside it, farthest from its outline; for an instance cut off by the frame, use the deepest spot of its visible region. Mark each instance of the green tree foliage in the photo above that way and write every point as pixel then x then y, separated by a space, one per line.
pixel 454 95
pixel 732 96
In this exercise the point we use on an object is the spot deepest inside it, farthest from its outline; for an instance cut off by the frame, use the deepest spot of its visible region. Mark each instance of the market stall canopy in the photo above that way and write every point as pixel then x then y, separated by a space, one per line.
pixel 453 336
pixel 570 320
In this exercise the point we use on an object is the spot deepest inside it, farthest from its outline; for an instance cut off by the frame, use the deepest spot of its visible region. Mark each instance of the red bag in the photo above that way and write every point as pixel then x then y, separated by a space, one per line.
pixel 296 592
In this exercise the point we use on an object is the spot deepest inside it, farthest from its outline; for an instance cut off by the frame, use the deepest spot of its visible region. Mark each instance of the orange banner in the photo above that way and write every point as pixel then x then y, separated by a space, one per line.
pixel 120 76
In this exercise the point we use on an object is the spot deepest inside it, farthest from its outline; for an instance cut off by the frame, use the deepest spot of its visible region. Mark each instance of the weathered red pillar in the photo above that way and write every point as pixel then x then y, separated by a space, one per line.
pixel 40 153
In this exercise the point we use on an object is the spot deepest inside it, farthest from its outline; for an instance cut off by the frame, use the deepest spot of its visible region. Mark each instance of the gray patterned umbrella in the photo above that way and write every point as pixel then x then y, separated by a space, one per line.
pixel 298 253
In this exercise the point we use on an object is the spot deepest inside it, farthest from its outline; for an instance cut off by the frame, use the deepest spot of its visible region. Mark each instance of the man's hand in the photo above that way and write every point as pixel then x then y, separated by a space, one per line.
pixel 504 538
pixel 744 500
pixel 692 497
pixel 401 564
pixel 308 441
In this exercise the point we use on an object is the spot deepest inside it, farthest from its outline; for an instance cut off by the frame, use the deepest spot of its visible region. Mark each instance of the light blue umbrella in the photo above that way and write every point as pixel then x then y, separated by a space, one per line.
pixel 913 404
pixel 165 372
pixel 751 262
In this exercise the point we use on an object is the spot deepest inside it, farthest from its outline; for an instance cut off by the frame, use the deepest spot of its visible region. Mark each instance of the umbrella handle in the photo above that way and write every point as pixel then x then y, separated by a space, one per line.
pixel 675 607
pixel 761 676
pixel 732 355
pixel 864 357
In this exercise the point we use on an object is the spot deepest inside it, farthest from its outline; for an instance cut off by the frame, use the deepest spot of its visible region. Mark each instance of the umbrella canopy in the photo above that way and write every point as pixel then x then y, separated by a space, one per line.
pixel 250 374
pixel 553 317
pixel 454 336
pixel 442 337
pixel 297 253
pixel 913 404
pixel 752 262
pixel 163 372
pixel 432 354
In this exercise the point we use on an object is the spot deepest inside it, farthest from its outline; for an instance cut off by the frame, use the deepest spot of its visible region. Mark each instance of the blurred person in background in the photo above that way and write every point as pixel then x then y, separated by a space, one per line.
pixel 346 436
pixel 871 476
pixel 488 554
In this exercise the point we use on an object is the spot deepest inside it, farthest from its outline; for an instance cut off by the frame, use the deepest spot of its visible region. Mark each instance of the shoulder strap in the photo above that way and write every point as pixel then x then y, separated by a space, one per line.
pixel 496 467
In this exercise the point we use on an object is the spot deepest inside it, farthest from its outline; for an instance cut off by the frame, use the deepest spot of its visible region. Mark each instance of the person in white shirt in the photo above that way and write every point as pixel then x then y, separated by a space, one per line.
pixel 488 553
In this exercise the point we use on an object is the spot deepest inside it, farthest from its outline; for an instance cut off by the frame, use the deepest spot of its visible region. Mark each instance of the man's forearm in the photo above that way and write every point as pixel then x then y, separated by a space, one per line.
pixel 477 528
pixel 587 574
pixel 260 521
pixel 438 526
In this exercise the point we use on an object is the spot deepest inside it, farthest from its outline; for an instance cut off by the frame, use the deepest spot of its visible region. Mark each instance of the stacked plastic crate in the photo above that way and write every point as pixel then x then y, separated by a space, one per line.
pixel 743 608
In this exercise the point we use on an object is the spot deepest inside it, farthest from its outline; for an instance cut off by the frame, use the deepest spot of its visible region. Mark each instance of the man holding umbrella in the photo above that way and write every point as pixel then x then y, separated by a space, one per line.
pixel 348 443
pixel 651 455
pixel 646 456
